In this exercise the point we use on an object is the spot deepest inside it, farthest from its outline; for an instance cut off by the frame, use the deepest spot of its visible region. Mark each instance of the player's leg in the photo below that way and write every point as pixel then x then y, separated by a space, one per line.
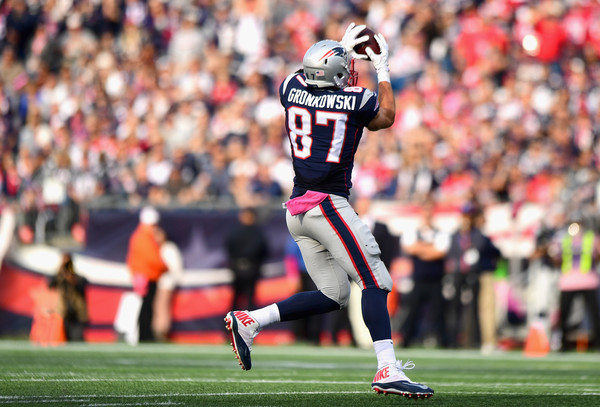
pixel 333 291
pixel 331 281
pixel 333 288
pixel 353 246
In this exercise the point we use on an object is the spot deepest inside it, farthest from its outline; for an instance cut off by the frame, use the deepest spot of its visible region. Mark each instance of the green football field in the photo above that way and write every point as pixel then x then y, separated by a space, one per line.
pixel 299 375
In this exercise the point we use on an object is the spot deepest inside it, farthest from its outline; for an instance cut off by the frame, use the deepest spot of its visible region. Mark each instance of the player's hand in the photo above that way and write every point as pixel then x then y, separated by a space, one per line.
pixel 380 61
pixel 349 40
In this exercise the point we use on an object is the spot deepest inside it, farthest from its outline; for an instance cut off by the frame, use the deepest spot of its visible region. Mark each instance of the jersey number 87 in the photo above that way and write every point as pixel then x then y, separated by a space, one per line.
pixel 300 123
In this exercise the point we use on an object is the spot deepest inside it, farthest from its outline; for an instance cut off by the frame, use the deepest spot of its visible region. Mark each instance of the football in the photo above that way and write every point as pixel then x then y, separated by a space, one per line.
pixel 371 42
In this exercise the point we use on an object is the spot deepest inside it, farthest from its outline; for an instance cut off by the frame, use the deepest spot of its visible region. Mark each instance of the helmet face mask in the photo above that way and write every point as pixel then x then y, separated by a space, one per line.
pixel 353 80
pixel 327 64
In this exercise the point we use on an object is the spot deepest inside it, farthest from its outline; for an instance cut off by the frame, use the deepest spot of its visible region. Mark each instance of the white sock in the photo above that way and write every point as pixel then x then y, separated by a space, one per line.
pixel 266 316
pixel 384 350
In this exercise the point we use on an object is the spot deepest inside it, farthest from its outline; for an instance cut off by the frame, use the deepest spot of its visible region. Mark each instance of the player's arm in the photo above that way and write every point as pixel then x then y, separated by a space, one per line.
pixel 387 108
pixel 387 103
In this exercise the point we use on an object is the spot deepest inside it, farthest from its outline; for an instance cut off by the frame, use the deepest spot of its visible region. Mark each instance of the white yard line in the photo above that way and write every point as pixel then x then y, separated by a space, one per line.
pixel 589 386
pixel 88 398
pixel 335 352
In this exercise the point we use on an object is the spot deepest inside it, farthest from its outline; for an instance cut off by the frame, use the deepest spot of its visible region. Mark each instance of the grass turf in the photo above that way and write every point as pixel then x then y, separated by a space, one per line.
pixel 190 375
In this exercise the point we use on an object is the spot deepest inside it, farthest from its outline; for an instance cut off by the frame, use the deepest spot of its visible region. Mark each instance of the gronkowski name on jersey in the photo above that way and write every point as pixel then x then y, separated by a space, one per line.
pixel 324 127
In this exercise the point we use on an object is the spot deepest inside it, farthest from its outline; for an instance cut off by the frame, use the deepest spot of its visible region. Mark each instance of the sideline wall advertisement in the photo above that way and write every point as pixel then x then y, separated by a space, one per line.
pixel 201 299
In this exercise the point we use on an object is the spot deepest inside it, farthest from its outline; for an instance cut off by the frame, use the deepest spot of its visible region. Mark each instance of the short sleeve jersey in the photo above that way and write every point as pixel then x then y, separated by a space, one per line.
pixel 324 127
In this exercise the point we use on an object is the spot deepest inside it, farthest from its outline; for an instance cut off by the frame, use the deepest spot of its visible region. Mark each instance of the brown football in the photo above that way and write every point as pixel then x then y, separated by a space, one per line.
pixel 371 42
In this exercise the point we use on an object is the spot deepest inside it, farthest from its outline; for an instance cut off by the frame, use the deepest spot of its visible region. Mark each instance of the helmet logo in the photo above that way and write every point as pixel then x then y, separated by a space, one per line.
pixel 337 51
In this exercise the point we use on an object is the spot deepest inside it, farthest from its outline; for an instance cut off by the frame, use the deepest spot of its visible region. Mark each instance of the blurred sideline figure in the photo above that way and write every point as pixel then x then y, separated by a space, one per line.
pixel 166 285
pixel 427 247
pixel 576 250
pixel 146 266
pixel 247 250
pixel 325 118
pixel 543 271
pixel 71 288
pixel 471 261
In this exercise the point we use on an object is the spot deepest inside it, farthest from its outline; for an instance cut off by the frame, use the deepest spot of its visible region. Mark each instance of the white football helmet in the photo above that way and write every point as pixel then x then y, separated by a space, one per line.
pixel 328 64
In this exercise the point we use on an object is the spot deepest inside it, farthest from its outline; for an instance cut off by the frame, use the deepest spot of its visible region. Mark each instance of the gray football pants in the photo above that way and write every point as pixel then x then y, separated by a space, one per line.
pixel 335 245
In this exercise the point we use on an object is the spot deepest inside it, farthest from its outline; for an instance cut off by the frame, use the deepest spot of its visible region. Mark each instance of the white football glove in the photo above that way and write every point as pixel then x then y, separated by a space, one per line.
pixel 349 40
pixel 380 61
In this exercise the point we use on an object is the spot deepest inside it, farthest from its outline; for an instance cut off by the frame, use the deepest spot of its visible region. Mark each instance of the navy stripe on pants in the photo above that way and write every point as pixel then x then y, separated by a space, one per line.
pixel 350 243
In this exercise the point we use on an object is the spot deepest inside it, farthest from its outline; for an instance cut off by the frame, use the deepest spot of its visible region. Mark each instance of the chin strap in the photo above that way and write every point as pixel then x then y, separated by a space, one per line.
pixel 353 79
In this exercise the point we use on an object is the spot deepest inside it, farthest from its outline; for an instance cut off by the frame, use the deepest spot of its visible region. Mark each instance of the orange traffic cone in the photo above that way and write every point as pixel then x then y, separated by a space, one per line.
pixel 537 343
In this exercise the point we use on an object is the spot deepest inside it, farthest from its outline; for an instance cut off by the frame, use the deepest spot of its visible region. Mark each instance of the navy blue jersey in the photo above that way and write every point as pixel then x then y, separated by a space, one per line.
pixel 324 127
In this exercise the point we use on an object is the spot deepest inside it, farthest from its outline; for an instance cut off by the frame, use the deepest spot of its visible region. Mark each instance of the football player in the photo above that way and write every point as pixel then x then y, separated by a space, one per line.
pixel 325 116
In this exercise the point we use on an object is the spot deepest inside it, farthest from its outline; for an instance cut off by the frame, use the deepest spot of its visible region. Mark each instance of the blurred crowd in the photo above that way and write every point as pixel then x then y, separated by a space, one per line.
pixel 175 102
